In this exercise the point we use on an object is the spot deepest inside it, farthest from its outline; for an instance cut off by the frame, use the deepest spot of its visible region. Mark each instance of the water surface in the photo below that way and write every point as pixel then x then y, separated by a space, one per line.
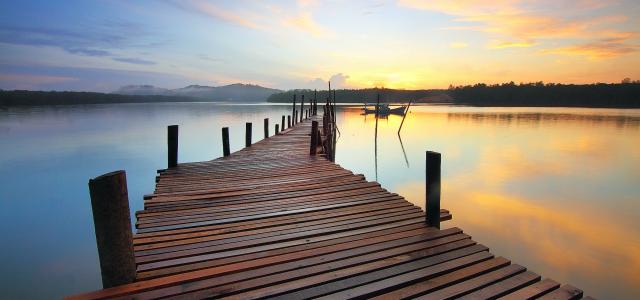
pixel 554 189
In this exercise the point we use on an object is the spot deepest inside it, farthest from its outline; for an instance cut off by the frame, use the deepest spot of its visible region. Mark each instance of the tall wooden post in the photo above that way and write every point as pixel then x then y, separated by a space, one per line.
pixel 225 141
pixel 433 189
pixel 282 126
pixel 172 146
pixel 302 109
pixel 277 129
pixel 315 102
pixel 289 121
pixel 112 224
pixel 314 138
pixel 266 128
pixel 247 135
pixel 295 117
pixel 293 110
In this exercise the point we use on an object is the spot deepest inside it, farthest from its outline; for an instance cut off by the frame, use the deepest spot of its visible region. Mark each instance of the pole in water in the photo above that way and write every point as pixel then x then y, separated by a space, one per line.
pixel 314 138
pixel 282 126
pixel 225 141
pixel 406 111
pixel 266 128
pixel 293 110
pixel 277 129
pixel 433 160
pixel 302 108
pixel 289 121
pixel 112 224
pixel 172 146
pixel 247 135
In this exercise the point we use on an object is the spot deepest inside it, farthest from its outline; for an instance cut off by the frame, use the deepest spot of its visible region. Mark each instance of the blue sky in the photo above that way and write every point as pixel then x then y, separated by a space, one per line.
pixel 102 45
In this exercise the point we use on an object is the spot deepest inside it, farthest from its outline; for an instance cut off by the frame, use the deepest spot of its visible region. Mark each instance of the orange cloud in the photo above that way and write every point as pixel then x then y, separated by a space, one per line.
pixel 600 49
pixel 521 25
pixel 305 22
pixel 217 12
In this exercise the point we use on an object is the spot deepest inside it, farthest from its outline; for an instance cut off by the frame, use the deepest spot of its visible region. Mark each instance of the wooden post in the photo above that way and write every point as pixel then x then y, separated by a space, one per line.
pixel 112 224
pixel 293 110
pixel 266 128
pixel 302 108
pixel 277 127
pixel 314 138
pixel 295 118
pixel 172 146
pixel 247 136
pixel 433 189
pixel 315 102
pixel 282 126
pixel 289 121
pixel 225 141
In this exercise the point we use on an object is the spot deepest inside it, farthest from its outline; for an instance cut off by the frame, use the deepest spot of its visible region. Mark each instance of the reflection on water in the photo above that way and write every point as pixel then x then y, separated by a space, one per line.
pixel 553 189
pixel 48 155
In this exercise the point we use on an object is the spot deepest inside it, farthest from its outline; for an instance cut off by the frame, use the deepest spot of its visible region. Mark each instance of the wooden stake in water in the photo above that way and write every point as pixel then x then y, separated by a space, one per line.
pixel 433 189
pixel 225 141
pixel 247 135
pixel 172 146
pixel 112 224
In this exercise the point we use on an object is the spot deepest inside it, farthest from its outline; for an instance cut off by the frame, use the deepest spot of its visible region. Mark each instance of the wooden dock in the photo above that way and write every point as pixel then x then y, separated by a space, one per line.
pixel 272 221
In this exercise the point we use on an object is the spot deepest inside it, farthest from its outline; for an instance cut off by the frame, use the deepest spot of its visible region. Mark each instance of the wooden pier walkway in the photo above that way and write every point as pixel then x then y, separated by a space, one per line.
pixel 271 221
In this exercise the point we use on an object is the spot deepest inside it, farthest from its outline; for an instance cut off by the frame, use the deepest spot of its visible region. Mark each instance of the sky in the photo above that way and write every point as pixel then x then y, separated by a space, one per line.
pixel 405 44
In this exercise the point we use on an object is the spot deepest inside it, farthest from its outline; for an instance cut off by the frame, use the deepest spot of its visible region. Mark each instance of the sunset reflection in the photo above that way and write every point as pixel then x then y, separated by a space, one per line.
pixel 553 191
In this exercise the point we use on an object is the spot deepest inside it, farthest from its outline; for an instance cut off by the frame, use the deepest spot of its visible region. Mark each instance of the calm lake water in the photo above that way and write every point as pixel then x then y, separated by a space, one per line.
pixel 554 189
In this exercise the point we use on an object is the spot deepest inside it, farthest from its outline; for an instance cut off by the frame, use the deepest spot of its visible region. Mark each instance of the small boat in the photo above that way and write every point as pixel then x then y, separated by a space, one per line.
pixel 384 109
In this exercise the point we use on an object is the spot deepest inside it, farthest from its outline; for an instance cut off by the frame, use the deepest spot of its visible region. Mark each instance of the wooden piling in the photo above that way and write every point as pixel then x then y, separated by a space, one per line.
pixel 314 138
pixel 289 121
pixel 433 189
pixel 247 135
pixel 293 110
pixel 112 224
pixel 225 141
pixel 266 128
pixel 282 126
pixel 277 129
pixel 172 146
pixel 302 109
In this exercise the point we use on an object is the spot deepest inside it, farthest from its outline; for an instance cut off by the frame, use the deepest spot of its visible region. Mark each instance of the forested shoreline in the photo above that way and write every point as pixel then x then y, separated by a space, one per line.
pixel 618 95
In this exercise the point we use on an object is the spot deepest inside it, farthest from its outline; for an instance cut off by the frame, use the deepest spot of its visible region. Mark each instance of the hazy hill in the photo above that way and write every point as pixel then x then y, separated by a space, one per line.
pixel 234 92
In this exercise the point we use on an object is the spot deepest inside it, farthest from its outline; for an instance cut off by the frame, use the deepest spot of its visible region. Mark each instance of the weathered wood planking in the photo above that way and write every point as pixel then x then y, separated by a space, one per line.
pixel 272 221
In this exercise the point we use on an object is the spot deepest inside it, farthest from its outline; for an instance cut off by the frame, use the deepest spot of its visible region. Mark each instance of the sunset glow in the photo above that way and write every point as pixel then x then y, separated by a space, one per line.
pixel 409 44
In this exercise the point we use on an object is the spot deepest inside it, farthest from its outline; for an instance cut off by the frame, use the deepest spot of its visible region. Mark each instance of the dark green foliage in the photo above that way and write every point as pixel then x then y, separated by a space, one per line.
pixel 358 96
pixel 11 98
pixel 623 95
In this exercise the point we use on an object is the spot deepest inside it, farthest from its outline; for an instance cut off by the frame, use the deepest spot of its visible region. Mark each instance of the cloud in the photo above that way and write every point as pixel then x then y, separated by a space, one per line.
pixel 523 24
pixel 605 48
pixel 338 81
pixel 219 13
pixel 304 22
pixel 88 52
pixel 503 44
pixel 133 60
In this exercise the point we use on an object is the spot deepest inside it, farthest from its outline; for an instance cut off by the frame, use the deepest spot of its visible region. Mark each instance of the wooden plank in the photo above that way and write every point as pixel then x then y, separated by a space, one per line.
pixel 504 287
pixel 533 291
pixel 565 292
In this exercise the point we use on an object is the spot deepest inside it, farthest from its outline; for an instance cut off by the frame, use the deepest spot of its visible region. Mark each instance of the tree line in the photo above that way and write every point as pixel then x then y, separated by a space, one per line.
pixel 622 95
pixel 21 97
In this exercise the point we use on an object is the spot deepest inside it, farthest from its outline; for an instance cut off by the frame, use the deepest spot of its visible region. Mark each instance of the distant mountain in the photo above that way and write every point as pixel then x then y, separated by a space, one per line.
pixel 142 90
pixel 237 92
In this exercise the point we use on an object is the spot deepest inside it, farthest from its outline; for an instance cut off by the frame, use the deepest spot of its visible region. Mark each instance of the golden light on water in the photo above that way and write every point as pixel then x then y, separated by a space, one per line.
pixel 553 191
